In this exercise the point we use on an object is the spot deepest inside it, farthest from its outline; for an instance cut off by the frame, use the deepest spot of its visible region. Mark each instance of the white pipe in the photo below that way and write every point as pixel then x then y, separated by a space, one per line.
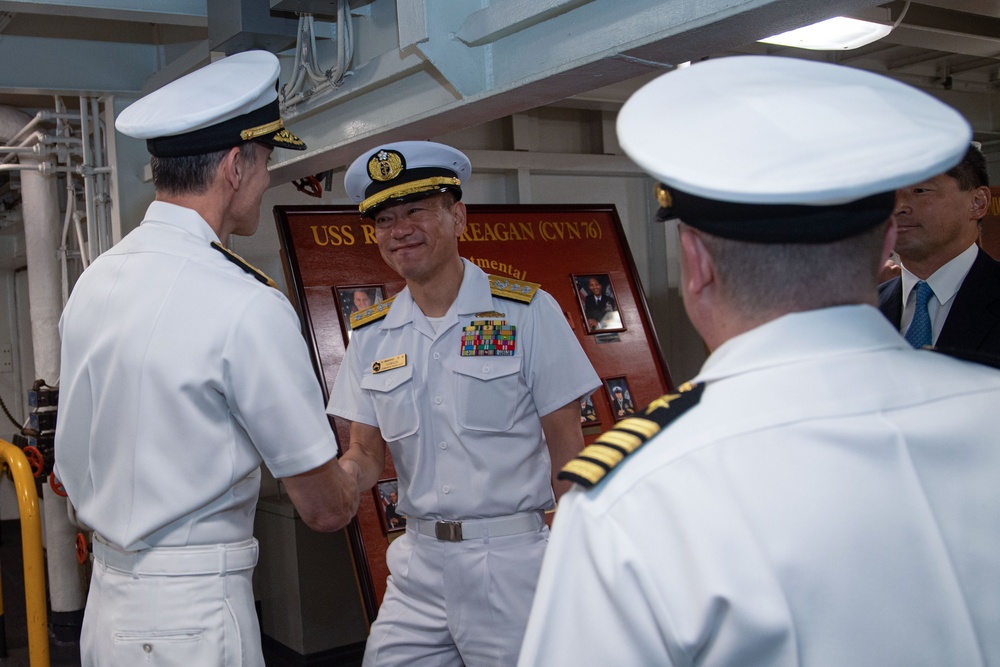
pixel 48 169
pixel 31 141
pixel 80 241
pixel 88 184
pixel 101 197
pixel 41 142
pixel 61 130
pixel 306 69
pixel 16 137
pixel 63 252
pixel 49 139
pixel 40 210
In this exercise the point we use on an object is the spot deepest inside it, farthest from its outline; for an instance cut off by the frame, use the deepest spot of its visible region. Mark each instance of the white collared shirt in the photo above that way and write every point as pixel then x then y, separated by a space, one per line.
pixel 181 373
pixel 830 501
pixel 465 431
pixel 945 283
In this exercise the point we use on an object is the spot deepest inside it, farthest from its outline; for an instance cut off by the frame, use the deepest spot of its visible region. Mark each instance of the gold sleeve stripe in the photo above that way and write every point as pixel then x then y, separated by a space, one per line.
pixel 643 427
pixel 583 472
pixel 601 454
pixel 614 446
pixel 627 441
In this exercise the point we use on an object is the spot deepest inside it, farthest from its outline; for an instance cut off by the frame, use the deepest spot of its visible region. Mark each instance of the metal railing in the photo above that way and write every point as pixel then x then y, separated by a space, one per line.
pixel 14 460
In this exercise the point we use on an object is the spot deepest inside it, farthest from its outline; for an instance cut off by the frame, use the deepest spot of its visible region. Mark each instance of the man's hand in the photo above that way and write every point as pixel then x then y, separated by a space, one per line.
pixel 326 497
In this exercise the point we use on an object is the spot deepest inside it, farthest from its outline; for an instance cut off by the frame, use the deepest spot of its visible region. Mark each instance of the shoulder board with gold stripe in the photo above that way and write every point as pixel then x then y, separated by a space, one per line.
pixel 508 288
pixel 598 459
pixel 371 314
pixel 245 265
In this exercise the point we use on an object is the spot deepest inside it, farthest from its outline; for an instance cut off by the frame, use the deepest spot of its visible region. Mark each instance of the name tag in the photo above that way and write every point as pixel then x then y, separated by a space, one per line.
pixel 389 363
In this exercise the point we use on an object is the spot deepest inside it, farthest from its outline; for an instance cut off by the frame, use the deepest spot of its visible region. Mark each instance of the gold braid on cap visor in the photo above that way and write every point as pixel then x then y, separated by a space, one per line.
pixel 410 188
pixel 261 130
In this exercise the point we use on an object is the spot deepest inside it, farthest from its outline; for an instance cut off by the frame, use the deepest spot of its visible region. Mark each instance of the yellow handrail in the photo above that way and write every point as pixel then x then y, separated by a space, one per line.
pixel 31 545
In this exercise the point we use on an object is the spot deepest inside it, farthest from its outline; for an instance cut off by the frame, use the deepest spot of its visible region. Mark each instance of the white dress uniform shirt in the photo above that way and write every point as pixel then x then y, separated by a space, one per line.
pixel 832 500
pixel 182 374
pixel 945 283
pixel 464 431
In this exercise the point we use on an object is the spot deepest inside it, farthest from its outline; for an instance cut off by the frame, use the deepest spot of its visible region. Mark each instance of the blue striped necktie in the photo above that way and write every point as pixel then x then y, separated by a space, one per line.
pixel 919 333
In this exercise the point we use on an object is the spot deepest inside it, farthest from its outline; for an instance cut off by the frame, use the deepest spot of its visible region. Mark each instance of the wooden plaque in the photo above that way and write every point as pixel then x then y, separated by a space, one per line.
pixel 329 251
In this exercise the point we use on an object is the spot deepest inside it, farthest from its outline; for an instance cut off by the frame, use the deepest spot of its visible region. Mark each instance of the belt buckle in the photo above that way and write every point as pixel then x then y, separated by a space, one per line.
pixel 448 531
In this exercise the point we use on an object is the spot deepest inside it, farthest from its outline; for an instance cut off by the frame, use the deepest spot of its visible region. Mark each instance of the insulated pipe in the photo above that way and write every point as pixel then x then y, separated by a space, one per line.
pixel 42 227
pixel 40 210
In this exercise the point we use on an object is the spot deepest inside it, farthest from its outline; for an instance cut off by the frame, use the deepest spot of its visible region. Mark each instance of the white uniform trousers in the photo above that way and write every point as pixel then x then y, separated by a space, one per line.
pixel 172 606
pixel 449 604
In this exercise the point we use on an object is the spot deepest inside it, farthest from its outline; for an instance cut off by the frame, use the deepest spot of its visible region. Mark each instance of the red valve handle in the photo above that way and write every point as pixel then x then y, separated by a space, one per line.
pixel 57 486
pixel 82 552
pixel 35 460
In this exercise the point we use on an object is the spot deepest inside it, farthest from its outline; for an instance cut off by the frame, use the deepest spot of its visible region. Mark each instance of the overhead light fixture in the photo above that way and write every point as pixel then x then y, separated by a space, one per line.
pixel 836 34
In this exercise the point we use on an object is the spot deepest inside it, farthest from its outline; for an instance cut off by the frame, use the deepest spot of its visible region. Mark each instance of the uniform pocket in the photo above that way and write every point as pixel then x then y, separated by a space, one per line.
pixel 395 402
pixel 397 559
pixel 166 648
pixel 488 392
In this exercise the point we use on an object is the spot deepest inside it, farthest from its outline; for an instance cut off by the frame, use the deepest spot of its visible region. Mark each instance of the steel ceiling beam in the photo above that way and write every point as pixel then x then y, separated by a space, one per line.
pixel 173 12
pixel 425 81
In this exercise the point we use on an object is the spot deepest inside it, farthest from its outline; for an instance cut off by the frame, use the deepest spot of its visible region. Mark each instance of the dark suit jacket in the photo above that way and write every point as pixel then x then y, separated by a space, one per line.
pixel 974 320
pixel 597 311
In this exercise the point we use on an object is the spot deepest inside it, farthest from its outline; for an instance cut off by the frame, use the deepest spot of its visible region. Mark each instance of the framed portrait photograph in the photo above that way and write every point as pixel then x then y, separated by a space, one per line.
pixel 354 298
pixel 620 397
pixel 588 415
pixel 387 499
pixel 596 296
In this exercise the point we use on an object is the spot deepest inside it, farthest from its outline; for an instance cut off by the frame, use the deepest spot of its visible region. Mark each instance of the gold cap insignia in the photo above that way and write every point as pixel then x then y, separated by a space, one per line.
pixel 663 197
pixel 386 165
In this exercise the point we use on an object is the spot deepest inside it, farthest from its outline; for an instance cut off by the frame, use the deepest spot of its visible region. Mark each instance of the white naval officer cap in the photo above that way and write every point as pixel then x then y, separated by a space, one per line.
pixel 781 150
pixel 219 106
pixel 404 171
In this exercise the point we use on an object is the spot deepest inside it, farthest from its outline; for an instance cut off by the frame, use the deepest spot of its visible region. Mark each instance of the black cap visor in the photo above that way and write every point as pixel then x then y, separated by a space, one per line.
pixel 779 223
pixel 262 125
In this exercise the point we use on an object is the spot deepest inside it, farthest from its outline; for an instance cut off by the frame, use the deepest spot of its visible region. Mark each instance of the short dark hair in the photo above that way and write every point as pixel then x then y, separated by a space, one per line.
pixel 971 172
pixel 192 174
pixel 784 277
